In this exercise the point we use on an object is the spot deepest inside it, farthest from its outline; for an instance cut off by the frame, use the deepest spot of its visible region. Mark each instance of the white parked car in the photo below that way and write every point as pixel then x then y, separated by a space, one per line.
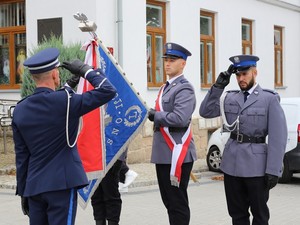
pixel 215 148
pixel 291 161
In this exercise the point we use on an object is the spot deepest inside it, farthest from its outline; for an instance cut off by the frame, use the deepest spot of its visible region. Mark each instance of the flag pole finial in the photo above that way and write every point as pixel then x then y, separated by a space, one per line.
pixel 85 25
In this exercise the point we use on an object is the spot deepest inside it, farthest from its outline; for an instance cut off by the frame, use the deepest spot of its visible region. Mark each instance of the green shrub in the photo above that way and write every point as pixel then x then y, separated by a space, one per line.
pixel 67 53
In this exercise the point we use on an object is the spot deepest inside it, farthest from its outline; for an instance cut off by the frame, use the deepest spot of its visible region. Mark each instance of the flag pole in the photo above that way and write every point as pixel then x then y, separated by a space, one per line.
pixel 94 166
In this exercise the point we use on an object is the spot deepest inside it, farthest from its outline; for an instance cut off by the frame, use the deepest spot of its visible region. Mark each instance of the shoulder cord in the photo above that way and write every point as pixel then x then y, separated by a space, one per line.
pixel 67 122
pixel 235 124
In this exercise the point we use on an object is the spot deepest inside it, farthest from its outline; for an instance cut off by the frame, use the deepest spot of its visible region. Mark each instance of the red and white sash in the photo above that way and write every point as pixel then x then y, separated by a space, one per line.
pixel 178 150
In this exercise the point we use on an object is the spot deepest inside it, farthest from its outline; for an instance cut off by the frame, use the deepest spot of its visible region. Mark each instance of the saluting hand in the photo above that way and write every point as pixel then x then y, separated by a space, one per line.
pixel 224 77
pixel 76 67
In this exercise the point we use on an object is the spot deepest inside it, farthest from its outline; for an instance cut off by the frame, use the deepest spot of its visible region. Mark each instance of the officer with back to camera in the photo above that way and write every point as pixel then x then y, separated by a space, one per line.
pixel 45 127
pixel 251 166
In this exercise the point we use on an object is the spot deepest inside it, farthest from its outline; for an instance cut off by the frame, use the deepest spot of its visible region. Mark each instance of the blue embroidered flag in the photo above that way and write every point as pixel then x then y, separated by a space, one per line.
pixel 125 115
pixel 127 111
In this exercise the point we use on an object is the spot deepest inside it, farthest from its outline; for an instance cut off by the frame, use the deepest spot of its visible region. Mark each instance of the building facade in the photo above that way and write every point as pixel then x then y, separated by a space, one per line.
pixel 136 30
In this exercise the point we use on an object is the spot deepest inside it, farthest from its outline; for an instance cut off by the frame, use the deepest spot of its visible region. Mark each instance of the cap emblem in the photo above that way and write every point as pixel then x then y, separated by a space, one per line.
pixel 236 59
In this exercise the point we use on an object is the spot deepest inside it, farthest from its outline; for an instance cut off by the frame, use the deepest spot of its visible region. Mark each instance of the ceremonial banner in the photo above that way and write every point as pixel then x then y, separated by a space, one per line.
pixel 127 111
pixel 122 118
pixel 91 145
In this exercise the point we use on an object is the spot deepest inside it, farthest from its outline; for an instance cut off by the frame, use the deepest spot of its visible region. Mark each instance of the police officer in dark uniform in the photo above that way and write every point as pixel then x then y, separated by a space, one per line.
pixel 106 201
pixel 173 149
pixel 45 127
pixel 251 166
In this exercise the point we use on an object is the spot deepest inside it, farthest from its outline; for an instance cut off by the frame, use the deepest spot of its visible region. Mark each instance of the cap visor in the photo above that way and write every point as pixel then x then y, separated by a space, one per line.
pixel 172 56
pixel 242 69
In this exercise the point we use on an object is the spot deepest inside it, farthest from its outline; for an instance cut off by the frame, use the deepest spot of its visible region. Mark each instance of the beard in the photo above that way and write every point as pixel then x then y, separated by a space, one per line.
pixel 249 86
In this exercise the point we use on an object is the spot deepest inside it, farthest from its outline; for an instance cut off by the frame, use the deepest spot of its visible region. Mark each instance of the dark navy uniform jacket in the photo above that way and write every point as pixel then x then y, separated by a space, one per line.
pixel 44 161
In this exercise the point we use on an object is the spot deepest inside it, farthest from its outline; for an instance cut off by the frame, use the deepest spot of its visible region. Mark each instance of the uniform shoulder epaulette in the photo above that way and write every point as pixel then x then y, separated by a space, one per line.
pixel 69 89
pixel 63 88
pixel 270 91
pixel 233 91
pixel 184 81
pixel 22 99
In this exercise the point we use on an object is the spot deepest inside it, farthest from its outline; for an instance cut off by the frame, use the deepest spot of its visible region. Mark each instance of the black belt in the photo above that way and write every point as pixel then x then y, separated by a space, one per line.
pixel 172 129
pixel 242 138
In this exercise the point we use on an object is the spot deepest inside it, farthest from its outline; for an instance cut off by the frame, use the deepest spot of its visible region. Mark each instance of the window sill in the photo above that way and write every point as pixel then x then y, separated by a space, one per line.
pixel 10 91
pixel 281 87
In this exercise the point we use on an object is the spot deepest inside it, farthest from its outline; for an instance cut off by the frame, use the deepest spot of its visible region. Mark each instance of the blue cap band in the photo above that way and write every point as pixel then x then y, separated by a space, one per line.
pixel 43 61
pixel 245 63
pixel 176 53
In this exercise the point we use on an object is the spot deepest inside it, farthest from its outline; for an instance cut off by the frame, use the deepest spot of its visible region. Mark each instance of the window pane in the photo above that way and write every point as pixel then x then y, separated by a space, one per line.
pixel 48 28
pixel 154 16
pixel 20 53
pixel 205 25
pixel 149 59
pixel 202 61
pixel 277 38
pixel 210 63
pixel 159 75
pixel 12 14
pixel 4 60
pixel 246 32
pixel 278 66
pixel 247 51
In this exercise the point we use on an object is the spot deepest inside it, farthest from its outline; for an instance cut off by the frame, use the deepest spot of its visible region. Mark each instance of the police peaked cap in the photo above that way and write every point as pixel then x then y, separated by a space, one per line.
pixel 243 62
pixel 173 50
pixel 43 61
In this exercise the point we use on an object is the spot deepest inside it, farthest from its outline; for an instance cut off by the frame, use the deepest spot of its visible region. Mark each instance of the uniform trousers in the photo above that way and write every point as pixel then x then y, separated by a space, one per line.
pixel 106 201
pixel 174 198
pixel 244 193
pixel 124 169
pixel 53 208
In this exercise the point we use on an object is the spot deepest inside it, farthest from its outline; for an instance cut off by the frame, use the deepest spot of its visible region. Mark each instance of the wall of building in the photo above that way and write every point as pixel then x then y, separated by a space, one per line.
pixel 127 36
pixel 43 9
pixel 183 27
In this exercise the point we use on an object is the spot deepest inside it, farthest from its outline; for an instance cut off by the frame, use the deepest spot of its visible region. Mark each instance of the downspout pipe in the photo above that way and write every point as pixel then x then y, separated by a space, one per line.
pixel 120 31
